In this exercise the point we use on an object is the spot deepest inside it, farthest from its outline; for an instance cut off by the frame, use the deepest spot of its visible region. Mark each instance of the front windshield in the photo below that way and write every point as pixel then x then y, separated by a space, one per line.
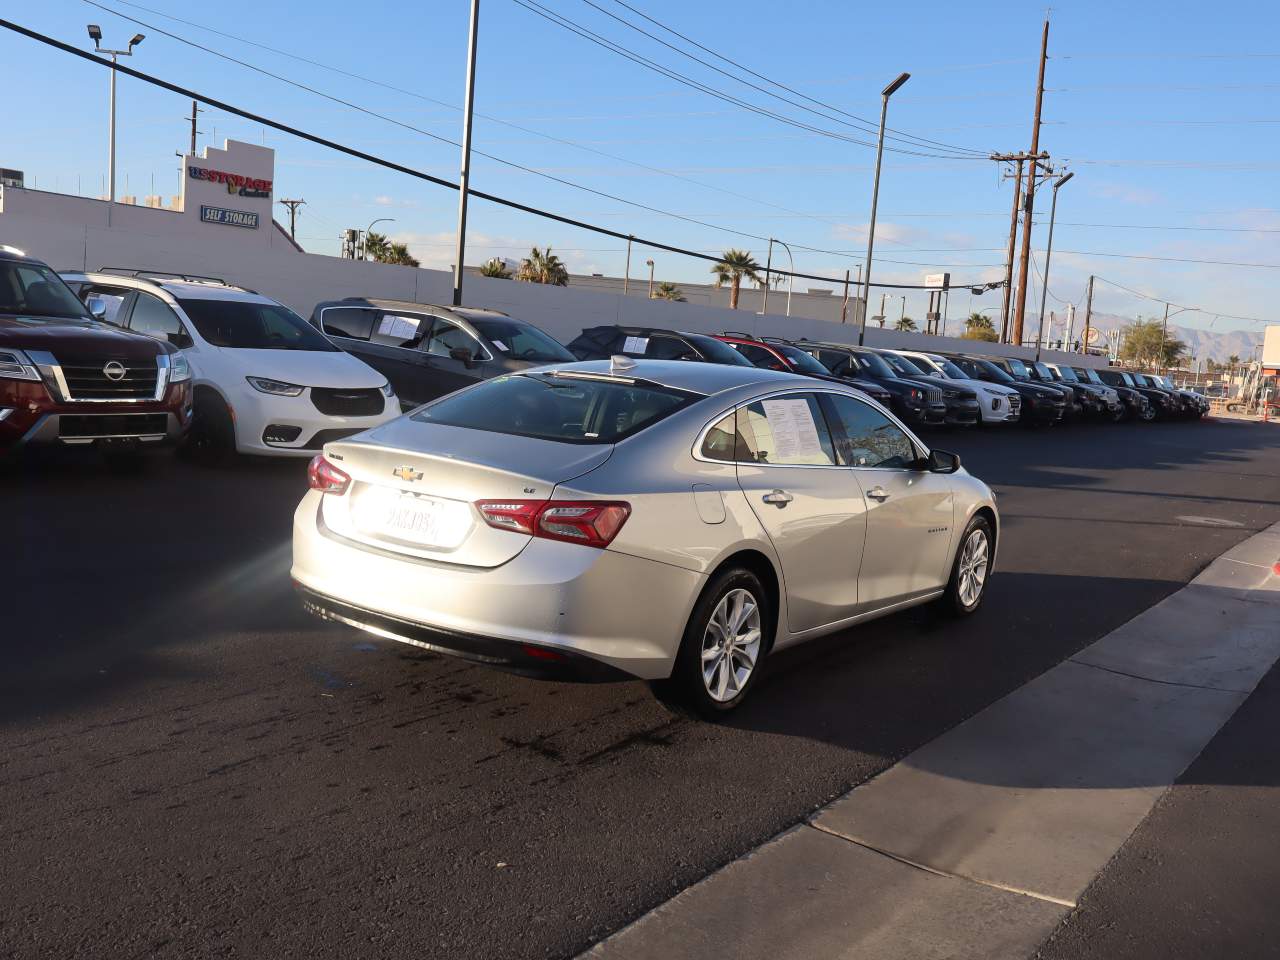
pixel 1018 369
pixel 1088 374
pixel 951 370
pixel 717 351
pixel 1128 380
pixel 33 290
pixel 920 366
pixel 1044 372
pixel 521 341
pixel 900 365
pixel 245 325
pixel 995 372
pixel 875 365
pixel 1067 374
pixel 800 360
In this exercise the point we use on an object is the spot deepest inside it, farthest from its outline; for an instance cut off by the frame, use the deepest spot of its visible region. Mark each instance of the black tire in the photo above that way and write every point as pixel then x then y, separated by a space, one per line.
pixel 212 439
pixel 686 692
pixel 953 600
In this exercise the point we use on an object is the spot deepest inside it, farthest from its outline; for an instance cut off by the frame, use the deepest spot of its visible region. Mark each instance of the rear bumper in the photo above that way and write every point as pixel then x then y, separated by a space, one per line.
pixel 624 613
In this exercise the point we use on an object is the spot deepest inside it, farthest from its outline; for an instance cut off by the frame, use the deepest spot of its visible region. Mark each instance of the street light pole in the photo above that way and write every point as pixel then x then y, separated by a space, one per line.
pixel 885 94
pixel 369 229
pixel 95 34
pixel 768 279
pixel 464 179
pixel 1048 252
pixel 649 264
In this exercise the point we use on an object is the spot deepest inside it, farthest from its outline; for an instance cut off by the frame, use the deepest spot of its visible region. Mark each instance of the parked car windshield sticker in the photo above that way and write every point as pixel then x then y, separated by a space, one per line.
pixel 501 346
pixel 795 435
pixel 398 328
pixel 635 345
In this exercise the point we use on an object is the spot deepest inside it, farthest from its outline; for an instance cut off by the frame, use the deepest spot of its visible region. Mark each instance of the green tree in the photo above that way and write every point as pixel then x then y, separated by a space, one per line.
pixel 668 291
pixel 734 265
pixel 978 327
pixel 1144 343
pixel 378 247
pixel 904 323
pixel 495 268
pixel 543 266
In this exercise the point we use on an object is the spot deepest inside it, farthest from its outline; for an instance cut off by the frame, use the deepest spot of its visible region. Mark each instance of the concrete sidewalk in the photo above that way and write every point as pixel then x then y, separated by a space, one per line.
pixel 980 842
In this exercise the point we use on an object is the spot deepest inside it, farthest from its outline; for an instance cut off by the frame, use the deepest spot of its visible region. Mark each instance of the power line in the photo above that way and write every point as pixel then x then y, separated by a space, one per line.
pixel 862 124
pixel 1208 313
pixel 401 168
pixel 550 15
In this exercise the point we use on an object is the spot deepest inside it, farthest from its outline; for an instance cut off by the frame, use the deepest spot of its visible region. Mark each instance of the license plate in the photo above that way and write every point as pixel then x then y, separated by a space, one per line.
pixel 407 517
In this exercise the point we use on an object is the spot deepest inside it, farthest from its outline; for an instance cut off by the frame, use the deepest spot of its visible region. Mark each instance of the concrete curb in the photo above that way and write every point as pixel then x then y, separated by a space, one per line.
pixel 980 842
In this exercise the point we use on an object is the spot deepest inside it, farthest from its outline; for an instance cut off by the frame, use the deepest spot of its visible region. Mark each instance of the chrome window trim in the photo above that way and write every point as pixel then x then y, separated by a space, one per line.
pixel 706 428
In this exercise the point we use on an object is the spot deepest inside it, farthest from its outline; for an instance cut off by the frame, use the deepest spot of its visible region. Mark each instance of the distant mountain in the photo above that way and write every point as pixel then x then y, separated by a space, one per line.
pixel 1201 344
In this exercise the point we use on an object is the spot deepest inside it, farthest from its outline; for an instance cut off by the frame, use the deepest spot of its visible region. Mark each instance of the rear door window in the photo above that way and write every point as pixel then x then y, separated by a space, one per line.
pixel 400 330
pixel 785 431
pixel 355 323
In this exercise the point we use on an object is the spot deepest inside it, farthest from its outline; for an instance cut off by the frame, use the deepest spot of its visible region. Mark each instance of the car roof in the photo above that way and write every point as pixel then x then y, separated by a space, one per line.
pixel 466 313
pixel 182 288
pixel 634 331
pixel 18 256
pixel 704 378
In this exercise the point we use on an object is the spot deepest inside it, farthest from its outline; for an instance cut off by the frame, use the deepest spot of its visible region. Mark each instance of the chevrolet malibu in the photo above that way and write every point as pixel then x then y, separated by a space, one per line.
pixel 618 519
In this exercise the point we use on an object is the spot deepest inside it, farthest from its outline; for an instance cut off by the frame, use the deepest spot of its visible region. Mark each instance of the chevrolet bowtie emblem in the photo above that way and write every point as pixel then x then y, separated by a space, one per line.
pixel 407 474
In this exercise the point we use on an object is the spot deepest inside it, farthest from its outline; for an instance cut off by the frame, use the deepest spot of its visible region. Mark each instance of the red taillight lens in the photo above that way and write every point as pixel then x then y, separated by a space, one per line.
pixel 592 523
pixel 325 477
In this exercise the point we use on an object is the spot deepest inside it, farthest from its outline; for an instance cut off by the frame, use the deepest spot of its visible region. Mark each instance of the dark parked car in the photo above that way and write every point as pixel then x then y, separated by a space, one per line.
pixel 653 343
pixel 425 350
pixel 1193 403
pixel 1160 405
pixel 774 353
pixel 67 377
pixel 1041 405
pixel 962 403
pixel 915 403
pixel 1026 371
pixel 1135 405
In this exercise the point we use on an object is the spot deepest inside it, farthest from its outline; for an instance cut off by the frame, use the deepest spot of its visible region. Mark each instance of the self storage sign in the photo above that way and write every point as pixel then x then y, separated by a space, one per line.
pixel 234 218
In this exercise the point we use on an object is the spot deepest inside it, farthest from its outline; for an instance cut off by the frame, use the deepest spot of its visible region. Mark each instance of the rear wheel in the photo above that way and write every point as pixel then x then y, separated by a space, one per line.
pixel 213 434
pixel 724 644
pixel 968 584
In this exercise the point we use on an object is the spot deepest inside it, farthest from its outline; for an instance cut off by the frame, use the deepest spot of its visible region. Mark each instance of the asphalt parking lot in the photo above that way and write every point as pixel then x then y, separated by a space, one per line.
pixel 191 766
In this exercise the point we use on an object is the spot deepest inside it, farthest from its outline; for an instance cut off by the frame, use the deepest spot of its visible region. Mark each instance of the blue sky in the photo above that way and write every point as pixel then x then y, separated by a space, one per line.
pixel 1167 113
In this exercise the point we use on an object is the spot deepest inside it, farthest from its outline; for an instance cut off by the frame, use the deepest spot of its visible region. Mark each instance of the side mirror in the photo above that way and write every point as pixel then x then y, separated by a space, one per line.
pixel 97 307
pixel 942 461
pixel 464 355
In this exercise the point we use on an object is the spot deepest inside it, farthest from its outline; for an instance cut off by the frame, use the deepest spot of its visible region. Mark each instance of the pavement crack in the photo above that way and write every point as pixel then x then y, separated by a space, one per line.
pixel 1044 897
pixel 1167 683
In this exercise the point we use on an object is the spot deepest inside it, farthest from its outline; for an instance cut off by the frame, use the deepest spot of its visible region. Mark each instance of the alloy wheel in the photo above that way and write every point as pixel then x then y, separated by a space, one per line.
pixel 973 568
pixel 731 645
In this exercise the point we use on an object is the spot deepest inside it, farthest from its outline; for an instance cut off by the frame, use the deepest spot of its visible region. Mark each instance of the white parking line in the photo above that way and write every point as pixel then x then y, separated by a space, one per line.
pixel 977 844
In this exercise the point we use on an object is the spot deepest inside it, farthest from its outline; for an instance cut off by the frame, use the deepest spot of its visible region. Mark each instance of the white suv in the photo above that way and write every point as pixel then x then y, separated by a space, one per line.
pixel 266 381
pixel 996 402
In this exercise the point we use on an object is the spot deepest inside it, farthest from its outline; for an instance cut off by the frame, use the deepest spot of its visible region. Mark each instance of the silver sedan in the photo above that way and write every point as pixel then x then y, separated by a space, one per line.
pixel 674 522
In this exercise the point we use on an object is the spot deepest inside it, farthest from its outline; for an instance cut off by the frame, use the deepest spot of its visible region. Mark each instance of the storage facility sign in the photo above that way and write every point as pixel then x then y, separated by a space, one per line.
pixel 234 218
pixel 237 184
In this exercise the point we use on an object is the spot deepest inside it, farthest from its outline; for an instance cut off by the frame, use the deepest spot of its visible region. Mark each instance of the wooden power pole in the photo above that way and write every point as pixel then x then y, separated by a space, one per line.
pixel 1008 260
pixel 293 206
pixel 1029 206
pixel 1088 314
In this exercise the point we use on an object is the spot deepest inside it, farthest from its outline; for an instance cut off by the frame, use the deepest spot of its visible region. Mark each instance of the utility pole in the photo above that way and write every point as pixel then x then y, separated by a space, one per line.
pixel 626 276
pixel 1088 315
pixel 293 206
pixel 844 307
pixel 195 111
pixel 1029 204
pixel 1008 260
pixel 1164 340
pixel 464 180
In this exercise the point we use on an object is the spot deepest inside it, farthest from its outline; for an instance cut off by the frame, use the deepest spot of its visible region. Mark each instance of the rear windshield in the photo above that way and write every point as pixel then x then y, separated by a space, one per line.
pixel 561 407
pixel 521 341
pixel 33 290
pixel 253 326
pixel 717 351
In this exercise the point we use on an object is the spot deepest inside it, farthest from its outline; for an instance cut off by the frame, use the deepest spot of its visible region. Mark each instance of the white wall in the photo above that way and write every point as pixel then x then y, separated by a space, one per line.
pixel 73 233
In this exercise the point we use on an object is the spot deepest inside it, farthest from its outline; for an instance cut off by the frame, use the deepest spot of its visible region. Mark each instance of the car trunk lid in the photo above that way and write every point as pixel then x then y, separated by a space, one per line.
pixel 414 487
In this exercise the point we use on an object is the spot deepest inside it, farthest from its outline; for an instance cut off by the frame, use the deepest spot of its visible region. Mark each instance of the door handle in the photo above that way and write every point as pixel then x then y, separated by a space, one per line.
pixel 879 494
pixel 779 498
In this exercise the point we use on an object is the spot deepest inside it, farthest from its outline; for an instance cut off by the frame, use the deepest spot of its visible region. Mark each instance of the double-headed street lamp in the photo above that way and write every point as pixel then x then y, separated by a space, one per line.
pixel 1048 251
pixel 885 94
pixel 95 34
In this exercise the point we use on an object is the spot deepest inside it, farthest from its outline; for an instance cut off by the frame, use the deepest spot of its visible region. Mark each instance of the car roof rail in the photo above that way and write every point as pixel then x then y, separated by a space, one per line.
pixel 741 334
pixel 162 275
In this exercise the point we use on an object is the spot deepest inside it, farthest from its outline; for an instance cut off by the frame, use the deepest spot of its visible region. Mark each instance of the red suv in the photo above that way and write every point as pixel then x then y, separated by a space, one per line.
pixel 69 378
pixel 776 354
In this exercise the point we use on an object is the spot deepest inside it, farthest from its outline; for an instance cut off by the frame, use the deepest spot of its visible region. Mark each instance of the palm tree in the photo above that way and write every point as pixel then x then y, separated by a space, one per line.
pixel 905 323
pixel 733 266
pixel 495 268
pixel 978 327
pixel 543 266
pixel 668 291
pixel 378 247
pixel 399 253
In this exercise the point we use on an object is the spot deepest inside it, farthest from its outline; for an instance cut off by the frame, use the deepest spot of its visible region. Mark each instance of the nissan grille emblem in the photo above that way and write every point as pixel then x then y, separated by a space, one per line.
pixel 114 370
pixel 407 474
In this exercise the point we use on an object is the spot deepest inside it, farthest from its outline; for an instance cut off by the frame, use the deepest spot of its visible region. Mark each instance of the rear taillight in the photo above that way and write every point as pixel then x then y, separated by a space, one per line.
pixel 325 477
pixel 592 523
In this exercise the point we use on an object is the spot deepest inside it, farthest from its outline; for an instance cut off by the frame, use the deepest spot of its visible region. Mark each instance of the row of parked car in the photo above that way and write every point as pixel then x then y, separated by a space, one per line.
pixel 231 370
